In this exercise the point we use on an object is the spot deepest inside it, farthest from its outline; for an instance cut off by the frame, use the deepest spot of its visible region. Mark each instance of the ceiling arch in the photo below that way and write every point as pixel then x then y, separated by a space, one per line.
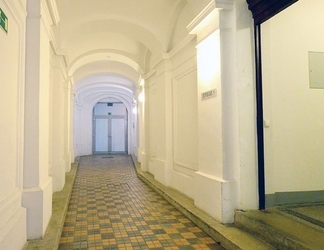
pixel 90 95
pixel 105 58
pixel 109 44
pixel 126 37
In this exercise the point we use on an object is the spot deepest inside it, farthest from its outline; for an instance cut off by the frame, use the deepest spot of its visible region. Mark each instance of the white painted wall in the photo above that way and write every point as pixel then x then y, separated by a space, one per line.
pixel 37 193
pixel 210 110
pixel 84 102
pixel 294 112
pixel 185 113
pixel 12 50
pixel 143 125
pixel 175 142
pixel 102 108
pixel 68 118
pixel 213 157
pixel 157 123
pixel 44 105
pixel 245 172
pixel 56 123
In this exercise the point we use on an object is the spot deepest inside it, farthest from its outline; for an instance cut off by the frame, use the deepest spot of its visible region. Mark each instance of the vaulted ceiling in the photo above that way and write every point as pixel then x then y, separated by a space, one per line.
pixel 113 42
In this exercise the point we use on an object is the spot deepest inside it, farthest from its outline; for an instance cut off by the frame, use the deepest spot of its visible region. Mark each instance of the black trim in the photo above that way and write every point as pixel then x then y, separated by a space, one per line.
pixel 259 104
pixel 263 10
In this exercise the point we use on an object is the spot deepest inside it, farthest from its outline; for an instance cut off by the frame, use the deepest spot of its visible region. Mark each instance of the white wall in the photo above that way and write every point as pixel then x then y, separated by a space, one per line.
pixel 37 193
pixel 295 112
pixel 44 104
pixel 56 123
pixel 245 170
pixel 142 98
pixel 185 114
pixel 211 156
pixel 157 123
pixel 83 110
pixel 12 50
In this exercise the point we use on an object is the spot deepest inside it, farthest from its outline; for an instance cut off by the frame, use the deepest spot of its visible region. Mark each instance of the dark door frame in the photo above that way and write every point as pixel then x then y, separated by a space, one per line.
pixel 262 10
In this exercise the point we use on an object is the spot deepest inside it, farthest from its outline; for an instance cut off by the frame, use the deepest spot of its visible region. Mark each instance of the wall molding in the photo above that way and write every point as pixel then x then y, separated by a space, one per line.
pixel 288 198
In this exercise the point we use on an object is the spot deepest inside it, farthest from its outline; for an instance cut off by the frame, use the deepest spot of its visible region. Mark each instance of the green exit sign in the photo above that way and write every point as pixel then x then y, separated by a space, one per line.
pixel 3 21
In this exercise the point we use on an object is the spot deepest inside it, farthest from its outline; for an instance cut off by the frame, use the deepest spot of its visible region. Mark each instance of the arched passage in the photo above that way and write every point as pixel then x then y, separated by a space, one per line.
pixel 87 96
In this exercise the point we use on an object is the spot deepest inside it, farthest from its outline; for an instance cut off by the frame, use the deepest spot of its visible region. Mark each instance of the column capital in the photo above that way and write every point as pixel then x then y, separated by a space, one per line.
pixel 33 8
pixel 68 82
pixel 208 20
pixel 57 61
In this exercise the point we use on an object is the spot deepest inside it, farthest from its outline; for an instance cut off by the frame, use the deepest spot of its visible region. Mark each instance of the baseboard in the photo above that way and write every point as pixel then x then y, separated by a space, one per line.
pixel 287 198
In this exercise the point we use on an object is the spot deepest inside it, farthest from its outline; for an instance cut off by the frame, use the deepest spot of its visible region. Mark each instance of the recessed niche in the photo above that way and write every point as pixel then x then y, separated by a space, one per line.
pixel 316 69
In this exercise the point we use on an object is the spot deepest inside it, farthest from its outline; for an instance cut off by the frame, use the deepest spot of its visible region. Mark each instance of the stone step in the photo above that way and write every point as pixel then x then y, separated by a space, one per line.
pixel 227 235
pixel 281 229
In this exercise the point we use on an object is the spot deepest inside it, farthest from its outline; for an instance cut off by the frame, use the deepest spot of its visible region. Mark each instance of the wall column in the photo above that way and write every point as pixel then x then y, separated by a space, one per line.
pixel 214 181
pixel 57 159
pixel 37 184
pixel 67 124
pixel 159 137
pixel 168 120
pixel 143 121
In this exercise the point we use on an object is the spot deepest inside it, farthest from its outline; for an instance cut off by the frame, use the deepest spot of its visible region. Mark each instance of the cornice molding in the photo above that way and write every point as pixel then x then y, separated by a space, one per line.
pixel 200 17
pixel 52 8
pixel 180 46
pixel 149 74
pixel 208 10
pixel 224 4
pixel 207 21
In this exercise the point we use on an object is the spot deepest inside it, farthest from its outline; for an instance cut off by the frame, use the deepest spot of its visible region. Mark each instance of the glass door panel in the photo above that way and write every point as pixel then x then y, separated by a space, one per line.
pixel 101 136
pixel 118 135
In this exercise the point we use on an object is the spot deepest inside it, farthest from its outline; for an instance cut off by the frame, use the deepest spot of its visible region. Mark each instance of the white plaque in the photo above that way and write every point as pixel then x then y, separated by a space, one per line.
pixel 208 94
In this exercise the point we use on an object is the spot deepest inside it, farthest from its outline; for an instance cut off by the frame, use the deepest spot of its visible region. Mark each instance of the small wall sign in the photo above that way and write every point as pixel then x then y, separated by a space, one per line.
pixel 208 94
pixel 3 21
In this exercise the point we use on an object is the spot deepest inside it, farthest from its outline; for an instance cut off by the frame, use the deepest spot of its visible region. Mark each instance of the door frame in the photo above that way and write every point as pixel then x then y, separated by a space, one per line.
pixel 109 119
pixel 262 10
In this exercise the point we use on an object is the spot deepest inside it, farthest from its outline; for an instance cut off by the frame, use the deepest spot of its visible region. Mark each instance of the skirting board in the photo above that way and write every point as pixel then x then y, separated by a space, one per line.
pixel 288 198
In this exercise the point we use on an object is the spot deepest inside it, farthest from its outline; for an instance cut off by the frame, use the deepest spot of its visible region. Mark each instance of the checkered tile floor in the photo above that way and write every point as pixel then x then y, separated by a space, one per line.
pixel 110 208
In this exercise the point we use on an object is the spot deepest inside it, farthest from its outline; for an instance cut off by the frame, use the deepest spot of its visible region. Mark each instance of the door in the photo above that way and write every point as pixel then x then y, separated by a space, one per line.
pixel 118 134
pixel 101 136
pixel 110 135
pixel 110 128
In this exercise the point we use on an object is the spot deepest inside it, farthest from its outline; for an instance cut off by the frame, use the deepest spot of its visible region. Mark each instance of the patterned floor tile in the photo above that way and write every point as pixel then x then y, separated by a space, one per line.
pixel 111 209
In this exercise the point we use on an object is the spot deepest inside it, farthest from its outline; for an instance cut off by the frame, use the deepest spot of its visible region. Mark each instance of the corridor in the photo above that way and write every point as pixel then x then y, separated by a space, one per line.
pixel 110 208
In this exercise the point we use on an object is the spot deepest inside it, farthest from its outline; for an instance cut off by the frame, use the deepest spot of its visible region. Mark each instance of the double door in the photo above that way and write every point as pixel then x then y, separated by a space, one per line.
pixel 109 134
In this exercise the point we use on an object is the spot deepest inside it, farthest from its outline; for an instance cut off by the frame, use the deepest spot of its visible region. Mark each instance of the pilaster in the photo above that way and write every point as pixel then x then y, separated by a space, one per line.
pixel 143 118
pixel 37 184
pixel 71 123
pixel 215 191
pixel 57 159
pixel 161 115
pixel 67 123
pixel 168 119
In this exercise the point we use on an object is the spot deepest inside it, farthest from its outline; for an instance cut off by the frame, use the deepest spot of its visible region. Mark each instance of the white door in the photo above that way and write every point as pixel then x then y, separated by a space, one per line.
pixel 101 135
pixel 110 128
pixel 118 135
pixel 110 135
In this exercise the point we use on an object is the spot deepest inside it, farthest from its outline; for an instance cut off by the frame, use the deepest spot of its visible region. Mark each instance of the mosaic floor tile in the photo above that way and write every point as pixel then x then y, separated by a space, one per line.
pixel 111 209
